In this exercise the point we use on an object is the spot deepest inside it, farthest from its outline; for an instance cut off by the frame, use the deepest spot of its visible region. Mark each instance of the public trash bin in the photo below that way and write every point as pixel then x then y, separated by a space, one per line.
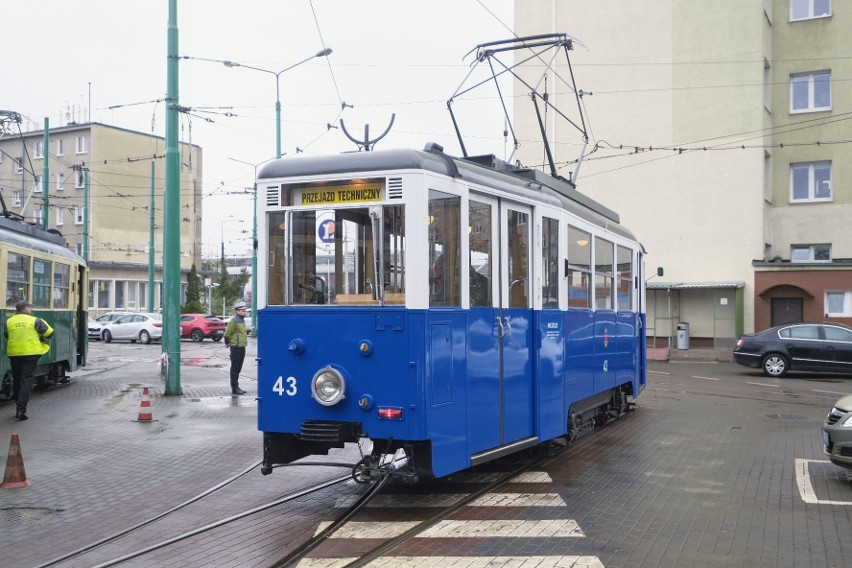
pixel 683 335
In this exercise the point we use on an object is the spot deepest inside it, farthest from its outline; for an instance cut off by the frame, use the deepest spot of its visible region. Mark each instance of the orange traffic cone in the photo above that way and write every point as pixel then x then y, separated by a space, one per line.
pixel 145 414
pixel 15 475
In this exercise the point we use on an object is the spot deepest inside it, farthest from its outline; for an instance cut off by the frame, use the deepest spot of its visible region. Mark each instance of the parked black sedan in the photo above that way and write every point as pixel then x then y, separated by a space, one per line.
pixel 825 347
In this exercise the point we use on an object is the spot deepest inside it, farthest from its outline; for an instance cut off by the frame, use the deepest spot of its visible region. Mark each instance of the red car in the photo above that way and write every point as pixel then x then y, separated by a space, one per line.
pixel 199 326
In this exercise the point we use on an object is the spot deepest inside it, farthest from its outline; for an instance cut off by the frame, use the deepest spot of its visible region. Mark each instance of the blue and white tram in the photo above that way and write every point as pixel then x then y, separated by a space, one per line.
pixel 457 309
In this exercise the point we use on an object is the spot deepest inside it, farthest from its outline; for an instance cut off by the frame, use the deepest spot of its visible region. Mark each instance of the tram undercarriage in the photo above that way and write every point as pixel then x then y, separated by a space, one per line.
pixel 411 461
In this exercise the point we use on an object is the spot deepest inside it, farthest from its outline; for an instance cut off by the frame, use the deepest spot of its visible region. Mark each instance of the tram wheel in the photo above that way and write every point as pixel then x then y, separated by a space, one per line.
pixel 365 470
pixel 619 402
pixel 575 424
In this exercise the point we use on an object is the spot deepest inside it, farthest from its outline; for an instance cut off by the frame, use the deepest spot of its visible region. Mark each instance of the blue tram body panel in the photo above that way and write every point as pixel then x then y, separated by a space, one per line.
pixel 310 339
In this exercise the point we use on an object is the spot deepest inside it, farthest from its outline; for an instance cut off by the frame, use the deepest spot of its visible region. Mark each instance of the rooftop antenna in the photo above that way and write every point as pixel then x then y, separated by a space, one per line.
pixel 7 119
pixel 367 144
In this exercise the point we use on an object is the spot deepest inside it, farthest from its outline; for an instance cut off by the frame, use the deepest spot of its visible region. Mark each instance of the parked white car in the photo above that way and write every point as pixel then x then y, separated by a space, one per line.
pixel 95 329
pixel 247 318
pixel 110 316
pixel 134 327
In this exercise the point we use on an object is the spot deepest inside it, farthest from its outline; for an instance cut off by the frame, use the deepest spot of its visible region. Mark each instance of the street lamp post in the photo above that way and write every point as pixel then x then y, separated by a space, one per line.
pixel 324 53
pixel 253 247
pixel 222 260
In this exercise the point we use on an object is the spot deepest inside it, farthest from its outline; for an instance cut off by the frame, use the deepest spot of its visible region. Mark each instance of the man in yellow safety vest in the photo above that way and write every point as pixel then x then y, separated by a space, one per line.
pixel 26 341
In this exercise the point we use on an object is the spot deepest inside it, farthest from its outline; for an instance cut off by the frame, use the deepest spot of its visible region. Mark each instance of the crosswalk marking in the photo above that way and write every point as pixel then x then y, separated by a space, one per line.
pixel 447 500
pixel 461 562
pixel 555 528
pixel 487 477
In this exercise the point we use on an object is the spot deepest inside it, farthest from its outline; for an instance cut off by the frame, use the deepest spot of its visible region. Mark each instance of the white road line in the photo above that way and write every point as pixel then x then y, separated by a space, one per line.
pixel 763 385
pixel 461 562
pixel 705 378
pixel 555 528
pixel 831 392
pixel 489 500
pixel 485 477
pixel 658 373
pixel 806 488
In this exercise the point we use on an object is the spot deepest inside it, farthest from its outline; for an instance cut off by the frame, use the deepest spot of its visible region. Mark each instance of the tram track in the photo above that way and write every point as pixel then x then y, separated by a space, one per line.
pixel 114 538
pixel 294 557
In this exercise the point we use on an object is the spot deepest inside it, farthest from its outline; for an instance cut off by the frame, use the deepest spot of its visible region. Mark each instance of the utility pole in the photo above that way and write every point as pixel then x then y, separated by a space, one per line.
pixel 45 175
pixel 151 267
pixel 171 214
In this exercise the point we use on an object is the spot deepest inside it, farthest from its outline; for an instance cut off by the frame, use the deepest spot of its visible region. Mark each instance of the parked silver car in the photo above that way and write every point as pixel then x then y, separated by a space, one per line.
pixel 837 433
pixel 95 329
pixel 134 327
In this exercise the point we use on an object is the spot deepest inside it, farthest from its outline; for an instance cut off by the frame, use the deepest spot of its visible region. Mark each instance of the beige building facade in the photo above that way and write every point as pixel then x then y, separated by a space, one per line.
pixel 715 130
pixel 114 174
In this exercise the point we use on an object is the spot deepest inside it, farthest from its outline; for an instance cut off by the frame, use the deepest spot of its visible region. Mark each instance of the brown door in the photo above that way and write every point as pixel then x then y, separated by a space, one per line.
pixel 786 310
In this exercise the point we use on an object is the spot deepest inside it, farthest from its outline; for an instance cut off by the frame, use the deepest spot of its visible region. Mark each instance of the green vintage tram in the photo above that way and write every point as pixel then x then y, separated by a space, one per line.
pixel 37 266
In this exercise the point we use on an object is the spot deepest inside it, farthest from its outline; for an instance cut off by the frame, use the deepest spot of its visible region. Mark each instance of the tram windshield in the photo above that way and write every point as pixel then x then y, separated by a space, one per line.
pixel 345 256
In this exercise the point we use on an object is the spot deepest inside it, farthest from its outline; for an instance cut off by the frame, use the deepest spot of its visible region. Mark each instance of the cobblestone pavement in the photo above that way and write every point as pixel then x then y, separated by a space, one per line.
pixel 704 474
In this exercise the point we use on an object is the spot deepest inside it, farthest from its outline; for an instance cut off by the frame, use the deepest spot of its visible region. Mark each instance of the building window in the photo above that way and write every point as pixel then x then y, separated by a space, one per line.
pixel 808 9
pixel 19 165
pixel 60 216
pixel 810 182
pixel 82 145
pixel 79 180
pixel 37 218
pixel 78 215
pixel 39 150
pixel 810 92
pixel 810 253
pixel 37 184
pixel 838 303
pixel 60 181
pixel 60 147
pixel 78 248
pixel 767 85
pixel 18 196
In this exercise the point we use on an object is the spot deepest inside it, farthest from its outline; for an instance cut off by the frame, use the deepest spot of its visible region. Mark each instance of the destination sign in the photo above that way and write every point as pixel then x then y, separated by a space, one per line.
pixel 343 194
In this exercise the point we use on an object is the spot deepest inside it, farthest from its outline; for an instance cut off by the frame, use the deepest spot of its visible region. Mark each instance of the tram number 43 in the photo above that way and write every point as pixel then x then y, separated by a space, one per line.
pixel 289 389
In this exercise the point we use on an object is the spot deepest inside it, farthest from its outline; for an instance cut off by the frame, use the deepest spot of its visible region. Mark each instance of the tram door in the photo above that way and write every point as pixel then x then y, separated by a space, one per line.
pixel 500 330
pixel 516 316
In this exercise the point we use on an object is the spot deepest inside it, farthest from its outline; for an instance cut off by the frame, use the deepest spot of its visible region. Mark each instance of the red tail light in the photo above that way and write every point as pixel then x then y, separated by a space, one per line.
pixel 390 413
pixel 158 325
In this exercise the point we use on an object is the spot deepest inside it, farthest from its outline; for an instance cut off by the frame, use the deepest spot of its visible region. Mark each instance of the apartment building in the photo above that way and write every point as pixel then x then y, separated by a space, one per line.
pixel 720 132
pixel 102 183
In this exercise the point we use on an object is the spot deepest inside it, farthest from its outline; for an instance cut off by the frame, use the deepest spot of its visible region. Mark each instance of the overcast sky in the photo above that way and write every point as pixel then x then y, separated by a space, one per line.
pixel 63 57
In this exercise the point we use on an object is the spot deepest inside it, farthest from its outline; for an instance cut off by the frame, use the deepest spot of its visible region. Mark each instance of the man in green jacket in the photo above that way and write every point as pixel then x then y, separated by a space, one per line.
pixel 236 338
pixel 26 341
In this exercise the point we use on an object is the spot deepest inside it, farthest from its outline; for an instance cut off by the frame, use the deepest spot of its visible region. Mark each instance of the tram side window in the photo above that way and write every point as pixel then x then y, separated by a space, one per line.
pixel 603 274
pixel 61 280
pixel 309 244
pixel 624 266
pixel 549 263
pixel 17 278
pixel 275 274
pixel 444 249
pixel 41 282
pixel 578 271
pixel 479 230
pixel 393 253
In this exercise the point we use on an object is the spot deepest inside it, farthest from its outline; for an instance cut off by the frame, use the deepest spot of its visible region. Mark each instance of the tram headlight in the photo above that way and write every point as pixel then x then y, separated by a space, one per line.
pixel 328 387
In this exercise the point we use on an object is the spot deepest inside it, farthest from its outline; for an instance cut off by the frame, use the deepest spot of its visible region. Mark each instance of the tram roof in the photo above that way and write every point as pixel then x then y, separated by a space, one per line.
pixel 24 235
pixel 484 170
